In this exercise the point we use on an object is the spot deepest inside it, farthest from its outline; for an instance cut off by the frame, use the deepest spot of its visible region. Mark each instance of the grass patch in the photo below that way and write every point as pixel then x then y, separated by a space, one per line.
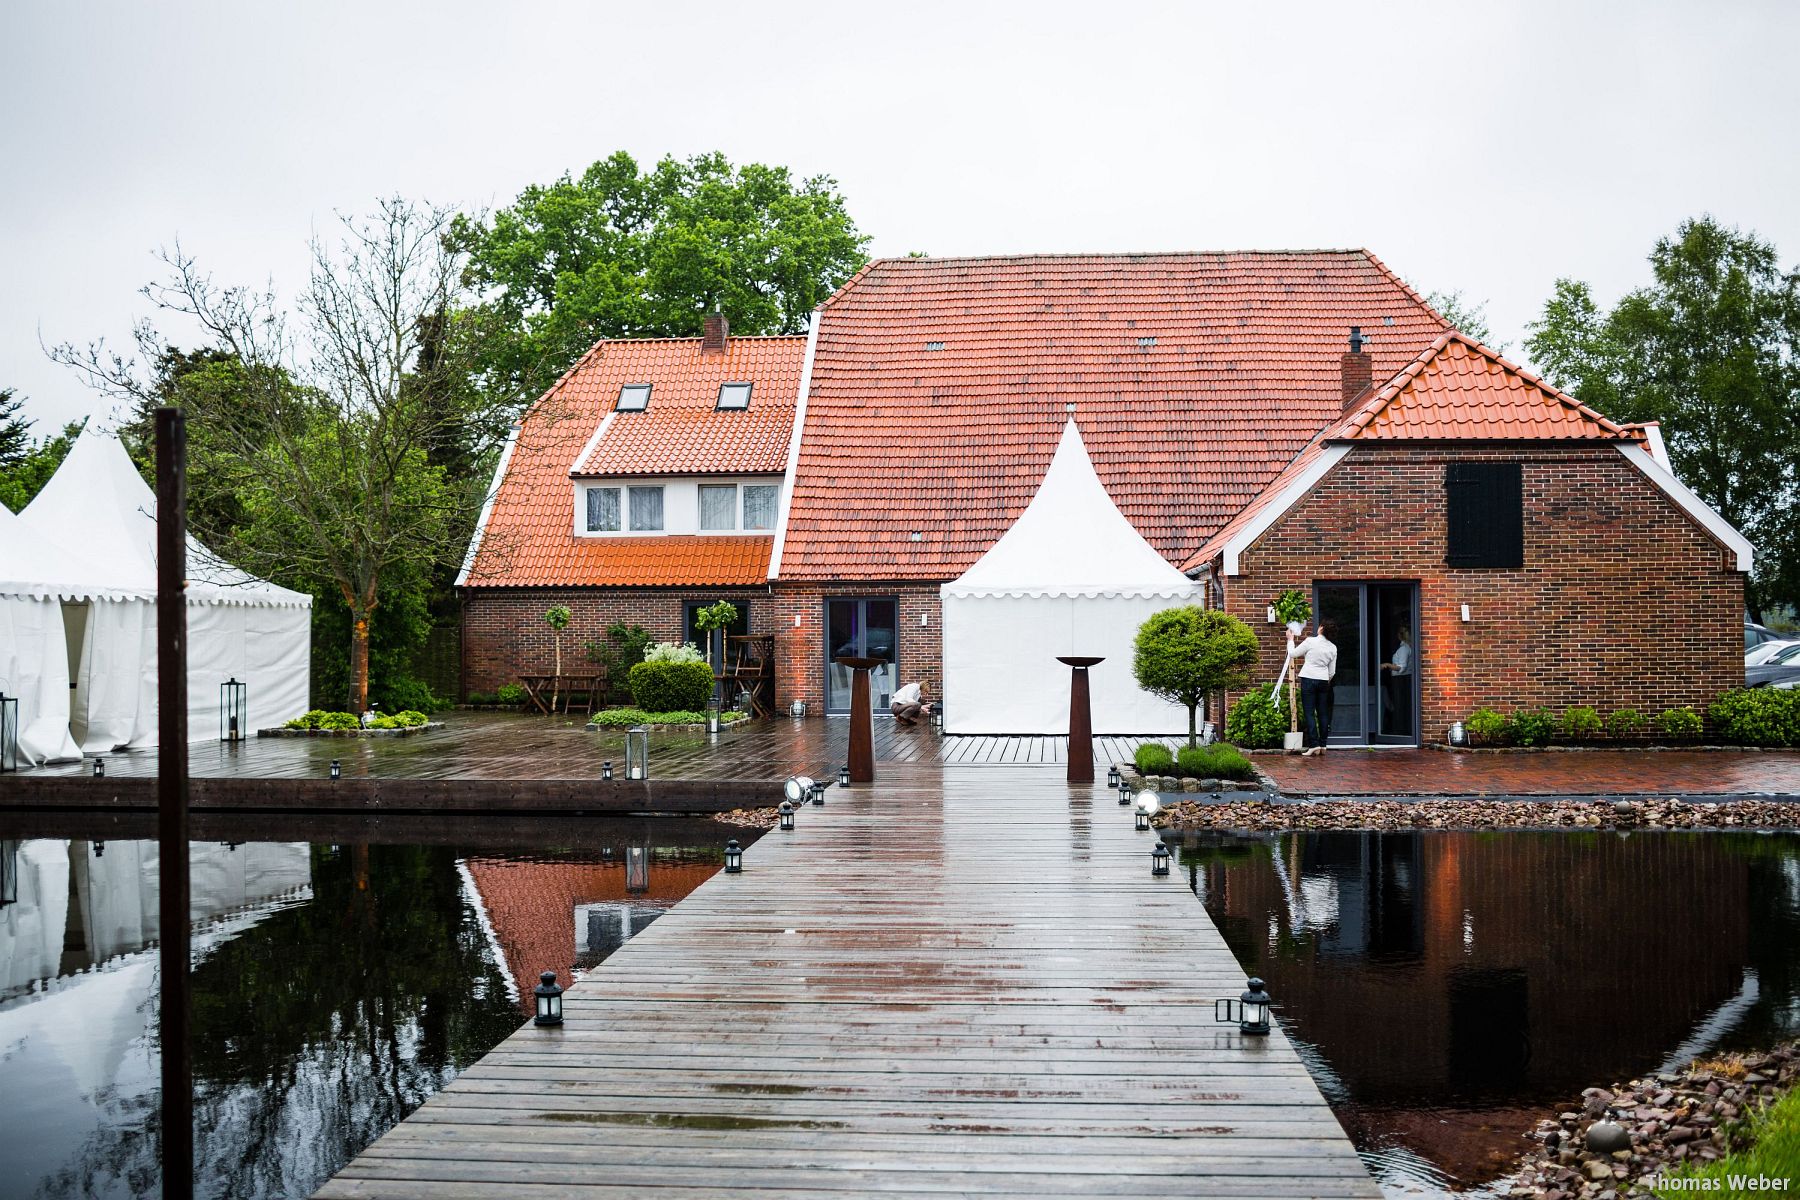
pixel 1774 1153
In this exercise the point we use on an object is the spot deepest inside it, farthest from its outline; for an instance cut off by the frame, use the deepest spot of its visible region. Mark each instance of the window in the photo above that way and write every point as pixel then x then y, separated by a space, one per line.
pixel 760 502
pixel 646 509
pixel 934 345
pixel 603 510
pixel 734 395
pixel 718 506
pixel 633 397
pixel 1484 504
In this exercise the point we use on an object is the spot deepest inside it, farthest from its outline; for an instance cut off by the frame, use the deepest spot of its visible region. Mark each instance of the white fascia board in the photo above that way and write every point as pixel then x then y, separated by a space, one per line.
pixel 599 432
pixel 1273 511
pixel 1653 437
pixel 487 505
pixel 793 455
pixel 1693 505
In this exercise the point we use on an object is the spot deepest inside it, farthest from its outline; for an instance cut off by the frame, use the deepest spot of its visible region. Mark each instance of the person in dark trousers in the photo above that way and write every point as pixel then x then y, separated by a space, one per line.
pixel 1318 665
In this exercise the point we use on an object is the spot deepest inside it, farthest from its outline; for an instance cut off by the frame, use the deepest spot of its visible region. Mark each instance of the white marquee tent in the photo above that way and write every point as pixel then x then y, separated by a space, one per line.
pixel 34 659
pixel 238 626
pixel 1070 577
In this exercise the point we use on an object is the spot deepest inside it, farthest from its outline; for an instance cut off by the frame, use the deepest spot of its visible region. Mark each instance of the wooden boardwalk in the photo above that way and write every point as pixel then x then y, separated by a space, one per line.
pixel 950 983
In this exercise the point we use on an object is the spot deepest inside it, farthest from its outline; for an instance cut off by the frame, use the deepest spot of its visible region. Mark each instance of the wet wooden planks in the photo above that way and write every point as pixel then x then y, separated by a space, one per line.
pixel 950 983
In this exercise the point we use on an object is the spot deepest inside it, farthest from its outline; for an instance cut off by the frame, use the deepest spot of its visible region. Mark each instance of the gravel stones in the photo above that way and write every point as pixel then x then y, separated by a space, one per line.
pixel 1475 813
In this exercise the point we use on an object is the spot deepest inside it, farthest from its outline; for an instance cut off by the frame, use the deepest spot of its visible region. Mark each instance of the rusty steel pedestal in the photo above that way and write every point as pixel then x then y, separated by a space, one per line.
pixel 862 718
pixel 1081 719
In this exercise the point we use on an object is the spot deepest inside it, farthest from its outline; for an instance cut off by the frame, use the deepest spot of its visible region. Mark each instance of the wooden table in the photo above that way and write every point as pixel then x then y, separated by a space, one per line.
pixel 563 687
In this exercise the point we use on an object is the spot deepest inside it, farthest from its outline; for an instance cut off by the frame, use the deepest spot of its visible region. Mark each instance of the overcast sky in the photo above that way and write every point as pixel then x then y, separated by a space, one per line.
pixel 1487 153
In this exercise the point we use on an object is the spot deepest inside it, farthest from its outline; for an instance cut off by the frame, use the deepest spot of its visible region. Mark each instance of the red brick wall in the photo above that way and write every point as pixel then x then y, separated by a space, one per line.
pixel 504 632
pixel 1623 600
pixel 799 648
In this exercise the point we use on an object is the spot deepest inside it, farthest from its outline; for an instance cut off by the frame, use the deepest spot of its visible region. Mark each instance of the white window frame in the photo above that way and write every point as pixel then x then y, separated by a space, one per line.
pixel 661 508
pixel 587 515
pixel 641 394
pixel 736 524
pixel 720 405
pixel 744 508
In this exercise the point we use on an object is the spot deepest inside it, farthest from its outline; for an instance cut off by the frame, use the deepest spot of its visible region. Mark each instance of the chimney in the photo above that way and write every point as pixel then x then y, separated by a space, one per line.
pixel 716 334
pixel 1358 371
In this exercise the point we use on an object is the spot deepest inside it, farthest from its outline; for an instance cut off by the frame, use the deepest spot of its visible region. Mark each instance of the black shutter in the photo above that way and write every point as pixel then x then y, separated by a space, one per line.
pixel 1484 503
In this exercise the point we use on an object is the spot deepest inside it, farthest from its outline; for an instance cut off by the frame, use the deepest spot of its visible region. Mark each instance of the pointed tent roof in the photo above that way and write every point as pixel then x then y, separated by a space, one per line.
pixel 99 504
pixel 1071 540
pixel 34 564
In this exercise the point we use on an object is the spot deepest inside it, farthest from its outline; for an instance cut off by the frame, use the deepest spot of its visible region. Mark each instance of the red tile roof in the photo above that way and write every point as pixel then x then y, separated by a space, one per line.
pixel 1459 389
pixel 528 538
pixel 940 386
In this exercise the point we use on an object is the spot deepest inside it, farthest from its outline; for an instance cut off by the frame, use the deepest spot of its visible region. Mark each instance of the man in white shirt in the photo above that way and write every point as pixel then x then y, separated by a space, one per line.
pixel 908 704
pixel 1318 664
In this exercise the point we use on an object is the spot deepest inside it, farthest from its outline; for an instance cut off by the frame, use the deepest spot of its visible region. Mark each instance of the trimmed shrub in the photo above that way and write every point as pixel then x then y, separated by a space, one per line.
pixel 1681 724
pixel 1154 758
pixel 665 686
pixel 669 652
pixel 510 693
pixel 338 720
pixel 1486 727
pixel 482 698
pixel 1625 723
pixel 1531 727
pixel 1579 724
pixel 1256 724
pixel 1218 761
pixel 411 718
pixel 386 722
pixel 1757 717
pixel 404 694
pixel 309 719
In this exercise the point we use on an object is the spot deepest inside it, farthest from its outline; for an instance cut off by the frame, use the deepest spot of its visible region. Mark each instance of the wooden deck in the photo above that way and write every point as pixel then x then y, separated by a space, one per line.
pixel 950 983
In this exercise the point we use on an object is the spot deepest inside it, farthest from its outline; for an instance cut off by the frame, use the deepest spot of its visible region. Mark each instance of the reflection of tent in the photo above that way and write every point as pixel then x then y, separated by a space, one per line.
pixel 238 626
pixel 1070 577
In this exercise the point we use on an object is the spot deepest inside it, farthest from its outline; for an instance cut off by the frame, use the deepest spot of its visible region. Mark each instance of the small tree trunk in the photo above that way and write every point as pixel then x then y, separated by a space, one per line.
pixel 556 681
pixel 1293 688
pixel 359 661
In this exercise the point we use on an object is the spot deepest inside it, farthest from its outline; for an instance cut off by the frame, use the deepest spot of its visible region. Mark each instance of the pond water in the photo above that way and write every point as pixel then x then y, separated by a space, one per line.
pixel 1449 989
pixel 340 977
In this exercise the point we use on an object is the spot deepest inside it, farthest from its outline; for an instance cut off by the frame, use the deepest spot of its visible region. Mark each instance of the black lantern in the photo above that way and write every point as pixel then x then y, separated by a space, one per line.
pixel 787 817
pixel 1124 790
pixel 844 775
pixel 99 766
pixel 1250 1010
pixel 798 788
pixel 606 771
pixel 1112 775
pixel 234 710
pixel 549 1000
pixel 1141 822
pixel 337 769
pixel 734 857
pixel 818 793
pixel 1159 859
pixel 637 752
pixel 937 716
pixel 9 732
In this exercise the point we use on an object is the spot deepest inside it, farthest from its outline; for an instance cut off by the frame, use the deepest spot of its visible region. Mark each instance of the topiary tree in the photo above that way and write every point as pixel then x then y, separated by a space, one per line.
pixel 1183 654
pixel 709 621
pixel 558 619
pixel 1293 608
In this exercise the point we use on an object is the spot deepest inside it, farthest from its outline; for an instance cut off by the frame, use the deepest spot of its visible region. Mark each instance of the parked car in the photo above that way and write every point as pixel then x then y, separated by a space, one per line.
pixel 1755 635
pixel 1781 669
pixel 1764 652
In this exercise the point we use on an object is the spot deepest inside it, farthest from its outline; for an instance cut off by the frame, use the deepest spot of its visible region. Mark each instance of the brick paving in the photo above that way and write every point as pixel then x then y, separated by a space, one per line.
pixel 1536 773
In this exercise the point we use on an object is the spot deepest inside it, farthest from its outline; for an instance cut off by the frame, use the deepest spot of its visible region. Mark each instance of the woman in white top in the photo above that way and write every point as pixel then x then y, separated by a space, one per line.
pixel 1396 686
pixel 1318 665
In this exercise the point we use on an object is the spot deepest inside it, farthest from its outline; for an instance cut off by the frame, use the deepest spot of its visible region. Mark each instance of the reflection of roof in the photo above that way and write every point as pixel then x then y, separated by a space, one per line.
pixel 527 535
pixel 939 389
pixel 531 907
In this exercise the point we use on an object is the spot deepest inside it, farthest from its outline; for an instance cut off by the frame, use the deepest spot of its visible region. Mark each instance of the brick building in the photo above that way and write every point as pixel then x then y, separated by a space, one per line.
pixel 911 428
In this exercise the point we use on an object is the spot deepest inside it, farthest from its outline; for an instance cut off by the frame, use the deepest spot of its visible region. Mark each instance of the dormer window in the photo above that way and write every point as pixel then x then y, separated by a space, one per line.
pixel 633 397
pixel 734 397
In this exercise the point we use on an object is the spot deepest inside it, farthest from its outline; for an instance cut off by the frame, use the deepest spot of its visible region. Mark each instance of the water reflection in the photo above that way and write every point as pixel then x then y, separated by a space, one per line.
pixel 1454 985
pixel 336 986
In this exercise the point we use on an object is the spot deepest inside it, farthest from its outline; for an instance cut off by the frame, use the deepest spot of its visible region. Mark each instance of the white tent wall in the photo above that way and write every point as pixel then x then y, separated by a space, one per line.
pixel 115 692
pixel 34 667
pixel 1001 675
pixel 277 664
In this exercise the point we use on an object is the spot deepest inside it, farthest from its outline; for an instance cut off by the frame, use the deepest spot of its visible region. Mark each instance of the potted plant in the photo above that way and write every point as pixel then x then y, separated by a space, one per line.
pixel 1293 610
pixel 558 619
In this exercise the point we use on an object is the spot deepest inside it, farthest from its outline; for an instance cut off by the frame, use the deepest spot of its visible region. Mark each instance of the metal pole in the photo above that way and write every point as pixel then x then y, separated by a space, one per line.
pixel 172 801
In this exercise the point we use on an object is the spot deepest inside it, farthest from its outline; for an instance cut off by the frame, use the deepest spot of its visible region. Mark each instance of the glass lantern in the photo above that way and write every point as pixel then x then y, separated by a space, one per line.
pixel 787 817
pixel 337 769
pixel 797 709
pixel 549 1000
pixel 1142 821
pixel 637 869
pixel 818 793
pixel 712 716
pixel 844 775
pixel 1112 775
pixel 9 873
pixel 1124 790
pixel 734 857
pixel 1256 1009
pixel 9 732
pixel 99 767
pixel 606 771
pixel 1159 859
pixel 234 710
pixel 637 752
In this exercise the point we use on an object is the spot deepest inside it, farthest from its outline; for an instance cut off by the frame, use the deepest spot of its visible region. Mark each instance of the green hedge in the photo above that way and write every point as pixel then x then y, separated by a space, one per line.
pixel 1154 758
pixel 625 717
pixel 671 686
pixel 1757 716
pixel 1218 761
pixel 510 693
pixel 1255 724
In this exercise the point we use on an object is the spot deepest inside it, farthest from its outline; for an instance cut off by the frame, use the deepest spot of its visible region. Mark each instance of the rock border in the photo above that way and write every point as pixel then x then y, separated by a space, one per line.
pixel 1170 784
pixel 1584 815
pixel 697 727
pixel 405 731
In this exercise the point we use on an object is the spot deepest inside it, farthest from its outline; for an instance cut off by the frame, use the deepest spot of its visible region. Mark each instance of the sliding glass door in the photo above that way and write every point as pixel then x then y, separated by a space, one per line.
pixel 1375 695
pixel 861 628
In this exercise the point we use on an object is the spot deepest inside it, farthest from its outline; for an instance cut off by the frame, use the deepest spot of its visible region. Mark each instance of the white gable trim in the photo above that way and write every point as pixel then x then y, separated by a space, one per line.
pixel 487 506
pixel 793 455
pixel 599 432
pixel 1695 507
pixel 1273 511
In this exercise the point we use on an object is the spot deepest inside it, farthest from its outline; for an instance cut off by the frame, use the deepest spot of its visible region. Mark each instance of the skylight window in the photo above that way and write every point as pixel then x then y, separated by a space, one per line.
pixel 734 396
pixel 633 397
pixel 934 345
pixel 1146 343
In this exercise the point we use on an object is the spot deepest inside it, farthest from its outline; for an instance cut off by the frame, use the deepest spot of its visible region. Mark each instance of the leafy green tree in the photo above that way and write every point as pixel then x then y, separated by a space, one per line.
pixel 1467 317
pixel 1184 654
pixel 1711 349
pixel 15 430
pixel 25 477
pixel 625 252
